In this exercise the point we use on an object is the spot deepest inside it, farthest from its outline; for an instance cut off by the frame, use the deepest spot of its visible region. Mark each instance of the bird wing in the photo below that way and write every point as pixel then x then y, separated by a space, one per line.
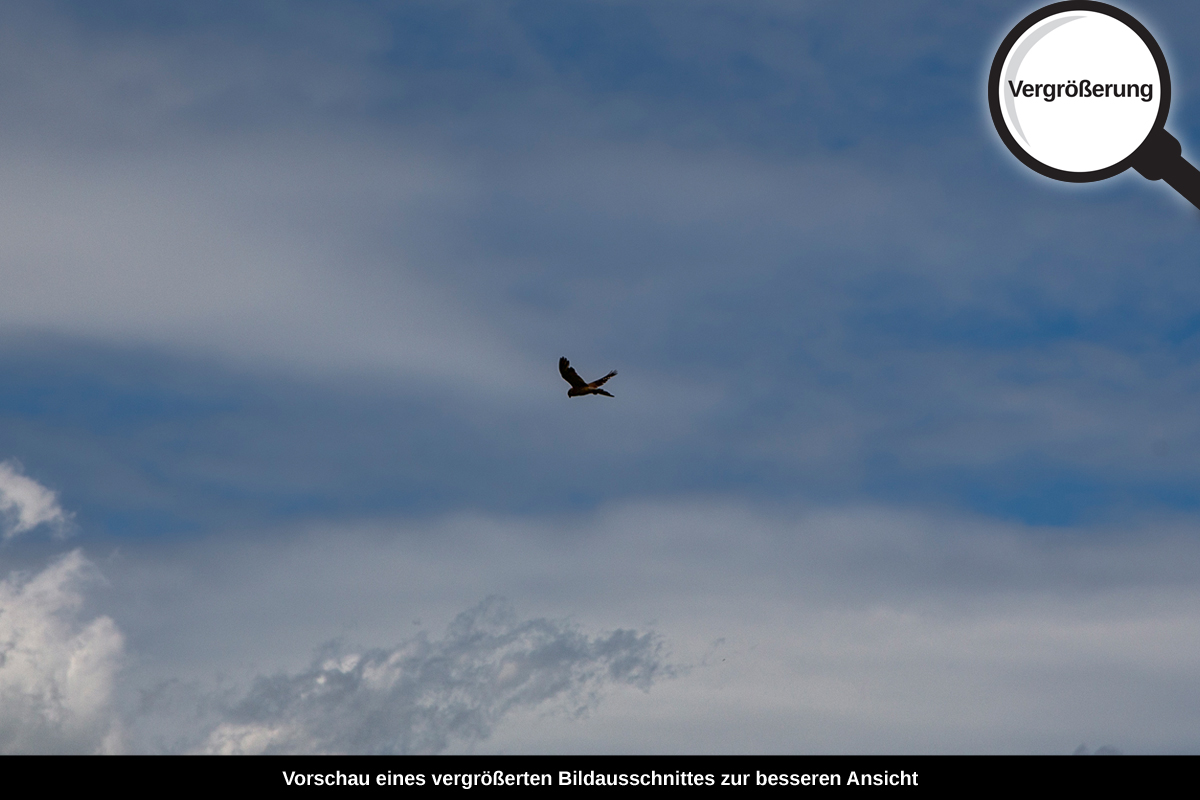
pixel 602 381
pixel 570 375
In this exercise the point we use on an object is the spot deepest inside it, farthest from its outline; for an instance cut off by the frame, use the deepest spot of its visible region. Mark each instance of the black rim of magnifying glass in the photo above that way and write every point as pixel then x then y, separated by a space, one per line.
pixel 1007 45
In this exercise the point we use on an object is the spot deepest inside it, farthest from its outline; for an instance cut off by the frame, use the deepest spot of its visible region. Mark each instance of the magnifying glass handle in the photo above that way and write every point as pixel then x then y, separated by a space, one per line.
pixel 1161 158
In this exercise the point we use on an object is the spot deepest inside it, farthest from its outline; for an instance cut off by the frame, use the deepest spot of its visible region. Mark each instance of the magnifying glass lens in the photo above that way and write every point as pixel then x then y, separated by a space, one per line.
pixel 1079 91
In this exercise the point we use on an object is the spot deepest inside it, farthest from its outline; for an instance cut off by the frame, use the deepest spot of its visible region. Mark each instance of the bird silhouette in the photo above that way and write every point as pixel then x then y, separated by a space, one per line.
pixel 578 387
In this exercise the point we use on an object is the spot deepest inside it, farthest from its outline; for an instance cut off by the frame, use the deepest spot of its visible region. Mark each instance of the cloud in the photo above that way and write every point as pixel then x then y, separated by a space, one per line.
pixel 820 629
pixel 422 695
pixel 804 629
pixel 63 690
pixel 821 276
pixel 26 504
pixel 57 669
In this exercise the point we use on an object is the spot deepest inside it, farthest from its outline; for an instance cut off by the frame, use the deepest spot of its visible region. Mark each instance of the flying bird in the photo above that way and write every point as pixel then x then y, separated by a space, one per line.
pixel 578 387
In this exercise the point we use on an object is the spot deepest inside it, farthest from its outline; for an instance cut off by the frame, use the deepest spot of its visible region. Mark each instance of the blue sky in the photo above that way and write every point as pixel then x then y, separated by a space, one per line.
pixel 901 453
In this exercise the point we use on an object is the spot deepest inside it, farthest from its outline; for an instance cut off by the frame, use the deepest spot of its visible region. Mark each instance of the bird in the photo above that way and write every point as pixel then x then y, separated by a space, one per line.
pixel 578 387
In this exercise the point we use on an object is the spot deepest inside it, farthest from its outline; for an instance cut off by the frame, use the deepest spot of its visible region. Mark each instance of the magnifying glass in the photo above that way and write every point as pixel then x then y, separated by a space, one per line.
pixel 1079 92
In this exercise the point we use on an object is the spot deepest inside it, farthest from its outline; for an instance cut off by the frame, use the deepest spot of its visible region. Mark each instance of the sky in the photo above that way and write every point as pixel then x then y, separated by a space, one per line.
pixel 902 453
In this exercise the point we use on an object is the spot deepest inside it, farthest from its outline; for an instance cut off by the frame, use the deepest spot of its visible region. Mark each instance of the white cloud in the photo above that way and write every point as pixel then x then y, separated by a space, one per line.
pixel 26 504
pixel 59 688
pixel 422 696
pixel 60 693
pixel 57 669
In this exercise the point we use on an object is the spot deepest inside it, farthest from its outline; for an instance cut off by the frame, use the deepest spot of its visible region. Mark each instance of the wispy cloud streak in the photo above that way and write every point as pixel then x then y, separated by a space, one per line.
pixel 422 696
pixel 25 504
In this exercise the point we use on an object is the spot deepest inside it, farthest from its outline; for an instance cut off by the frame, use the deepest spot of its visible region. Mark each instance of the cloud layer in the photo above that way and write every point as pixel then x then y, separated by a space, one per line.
pixel 808 629
pixel 801 629
pixel 902 454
